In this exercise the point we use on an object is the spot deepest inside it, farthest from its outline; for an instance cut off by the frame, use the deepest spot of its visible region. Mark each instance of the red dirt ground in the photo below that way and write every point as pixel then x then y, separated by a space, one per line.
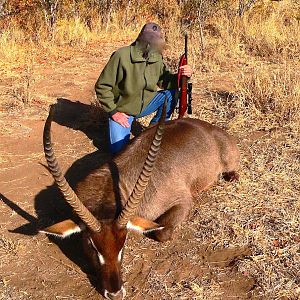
pixel 34 266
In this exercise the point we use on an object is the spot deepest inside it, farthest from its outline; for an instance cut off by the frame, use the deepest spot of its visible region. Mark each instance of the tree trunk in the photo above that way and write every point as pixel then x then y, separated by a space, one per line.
pixel 2 9
pixel 50 8
pixel 201 22
pixel 244 6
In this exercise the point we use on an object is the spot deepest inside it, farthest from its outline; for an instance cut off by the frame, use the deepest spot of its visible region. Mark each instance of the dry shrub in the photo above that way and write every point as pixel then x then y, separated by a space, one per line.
pixel 262 98
pixel 270 29
pixel 11 47
pixel 72 32
pixel 274 93
pixel 273 29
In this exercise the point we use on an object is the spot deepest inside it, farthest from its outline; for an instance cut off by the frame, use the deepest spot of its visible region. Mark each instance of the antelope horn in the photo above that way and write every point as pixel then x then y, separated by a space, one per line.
pixel 70 196
pixel 145 175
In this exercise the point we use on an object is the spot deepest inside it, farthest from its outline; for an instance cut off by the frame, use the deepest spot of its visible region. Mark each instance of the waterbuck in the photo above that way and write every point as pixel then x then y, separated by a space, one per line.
pixel 151 191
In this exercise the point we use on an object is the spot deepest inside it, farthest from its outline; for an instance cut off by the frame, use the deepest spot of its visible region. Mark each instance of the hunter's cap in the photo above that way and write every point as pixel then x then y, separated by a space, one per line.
pixel 152 33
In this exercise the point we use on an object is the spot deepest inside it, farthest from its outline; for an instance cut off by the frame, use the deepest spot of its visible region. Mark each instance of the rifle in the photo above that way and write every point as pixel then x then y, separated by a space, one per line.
pixel 184 87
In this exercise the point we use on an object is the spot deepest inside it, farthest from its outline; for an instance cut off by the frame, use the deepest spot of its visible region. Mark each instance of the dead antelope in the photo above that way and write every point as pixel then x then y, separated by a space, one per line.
pixel 158 176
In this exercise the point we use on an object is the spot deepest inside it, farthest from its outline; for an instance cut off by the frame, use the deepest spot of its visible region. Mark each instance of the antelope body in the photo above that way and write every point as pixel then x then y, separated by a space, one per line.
pixel 149 191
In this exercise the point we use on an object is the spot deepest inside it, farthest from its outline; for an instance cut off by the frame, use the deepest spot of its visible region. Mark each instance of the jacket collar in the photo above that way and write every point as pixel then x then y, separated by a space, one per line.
pixel 136 54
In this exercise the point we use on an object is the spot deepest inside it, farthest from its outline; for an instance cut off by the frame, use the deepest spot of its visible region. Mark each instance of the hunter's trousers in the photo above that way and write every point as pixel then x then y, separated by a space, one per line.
pixel 119 136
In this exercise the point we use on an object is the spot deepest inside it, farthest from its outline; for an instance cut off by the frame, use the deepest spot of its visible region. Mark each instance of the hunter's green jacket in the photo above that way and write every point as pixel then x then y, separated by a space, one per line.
pixel 128 82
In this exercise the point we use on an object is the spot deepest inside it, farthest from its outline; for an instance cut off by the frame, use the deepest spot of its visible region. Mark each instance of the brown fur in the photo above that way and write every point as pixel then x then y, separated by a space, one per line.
pixel 109 242
pixel 192 156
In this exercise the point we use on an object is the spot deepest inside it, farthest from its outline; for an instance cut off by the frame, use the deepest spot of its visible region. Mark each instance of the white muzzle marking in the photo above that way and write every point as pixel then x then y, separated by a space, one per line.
pixel 108 295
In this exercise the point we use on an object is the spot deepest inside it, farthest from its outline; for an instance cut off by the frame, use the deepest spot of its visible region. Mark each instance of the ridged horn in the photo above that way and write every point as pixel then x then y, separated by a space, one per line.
pixel 70 196
pixel 145 175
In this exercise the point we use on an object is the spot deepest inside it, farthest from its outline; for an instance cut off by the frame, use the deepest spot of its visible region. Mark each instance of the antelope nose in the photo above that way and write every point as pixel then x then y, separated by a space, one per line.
pixel 116 296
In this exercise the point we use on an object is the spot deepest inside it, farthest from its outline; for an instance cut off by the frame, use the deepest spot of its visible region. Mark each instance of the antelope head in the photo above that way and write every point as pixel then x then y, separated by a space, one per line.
pixel 104 240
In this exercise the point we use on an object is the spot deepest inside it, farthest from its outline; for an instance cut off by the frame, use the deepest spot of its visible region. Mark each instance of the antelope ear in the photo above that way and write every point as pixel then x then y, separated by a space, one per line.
pixel 142 225
pixel 63 229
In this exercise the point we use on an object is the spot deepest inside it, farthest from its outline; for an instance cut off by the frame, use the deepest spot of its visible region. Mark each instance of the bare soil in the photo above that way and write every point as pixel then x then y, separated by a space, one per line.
pixel 32 266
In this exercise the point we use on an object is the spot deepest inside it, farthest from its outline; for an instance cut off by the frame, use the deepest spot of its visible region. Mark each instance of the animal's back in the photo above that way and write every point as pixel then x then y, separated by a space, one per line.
pixel 188 146
pixel 192 155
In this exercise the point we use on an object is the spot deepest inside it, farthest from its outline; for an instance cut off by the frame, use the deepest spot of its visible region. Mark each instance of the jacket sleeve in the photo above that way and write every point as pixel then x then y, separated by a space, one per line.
pixel 167 79
pixel 106 83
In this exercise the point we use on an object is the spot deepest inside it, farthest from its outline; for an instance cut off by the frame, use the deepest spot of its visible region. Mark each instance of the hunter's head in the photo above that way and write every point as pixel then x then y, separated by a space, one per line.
pixel 152 36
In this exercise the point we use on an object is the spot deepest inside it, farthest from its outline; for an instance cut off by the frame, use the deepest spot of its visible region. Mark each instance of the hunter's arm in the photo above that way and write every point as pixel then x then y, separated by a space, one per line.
pixel 106 83
pixel 167 79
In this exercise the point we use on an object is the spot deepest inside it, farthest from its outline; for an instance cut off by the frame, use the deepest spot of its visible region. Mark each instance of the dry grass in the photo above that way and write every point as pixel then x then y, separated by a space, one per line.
pixel 259 56
pixel 8 246
pixel 262 210
pixel 270 30
pixel 273 92
pixel 263 97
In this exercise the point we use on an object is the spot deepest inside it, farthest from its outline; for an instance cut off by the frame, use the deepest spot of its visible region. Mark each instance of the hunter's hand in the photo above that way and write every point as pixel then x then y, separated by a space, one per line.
pixel 121 118
pixel 187 70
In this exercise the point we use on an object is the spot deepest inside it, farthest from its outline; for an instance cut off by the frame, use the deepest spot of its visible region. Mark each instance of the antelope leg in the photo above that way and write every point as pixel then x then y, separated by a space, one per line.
pixel 170 219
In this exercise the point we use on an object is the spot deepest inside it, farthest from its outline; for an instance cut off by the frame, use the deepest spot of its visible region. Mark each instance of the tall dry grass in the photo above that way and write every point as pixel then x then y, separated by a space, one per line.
pixel 274 94
pixel 219 37
pixel 269 29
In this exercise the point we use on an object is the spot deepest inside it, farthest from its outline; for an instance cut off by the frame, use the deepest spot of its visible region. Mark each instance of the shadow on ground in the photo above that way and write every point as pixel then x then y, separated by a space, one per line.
pixel 49 204
pixel 90 119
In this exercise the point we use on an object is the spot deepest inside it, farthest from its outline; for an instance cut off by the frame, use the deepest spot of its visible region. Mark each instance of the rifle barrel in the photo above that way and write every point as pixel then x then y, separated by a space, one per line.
pixel 186 46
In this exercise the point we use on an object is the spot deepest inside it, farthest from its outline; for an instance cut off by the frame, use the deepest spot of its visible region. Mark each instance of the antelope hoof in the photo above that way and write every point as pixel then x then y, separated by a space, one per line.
pixel 231 176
